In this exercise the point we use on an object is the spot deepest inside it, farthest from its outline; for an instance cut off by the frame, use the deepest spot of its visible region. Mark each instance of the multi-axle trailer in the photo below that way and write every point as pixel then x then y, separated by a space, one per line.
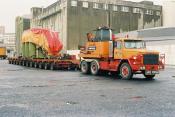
pixel 47 64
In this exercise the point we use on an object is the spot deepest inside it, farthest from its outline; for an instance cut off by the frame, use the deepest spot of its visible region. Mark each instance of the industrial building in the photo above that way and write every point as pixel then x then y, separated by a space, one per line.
pixel 74 18
pixel 9 42
pixel 21 24
pixel 161 39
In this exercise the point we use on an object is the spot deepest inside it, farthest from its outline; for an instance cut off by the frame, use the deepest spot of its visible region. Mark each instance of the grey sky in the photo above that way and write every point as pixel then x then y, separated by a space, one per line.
pixel 9 9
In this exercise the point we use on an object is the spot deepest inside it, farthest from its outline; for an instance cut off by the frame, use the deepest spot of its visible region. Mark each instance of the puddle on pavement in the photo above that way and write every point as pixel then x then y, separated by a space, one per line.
pixel 15 105
pixel 102 95
pixel 127 88
pixel 35 86
pixel 137 97
pixel 70 85
pixel 71 103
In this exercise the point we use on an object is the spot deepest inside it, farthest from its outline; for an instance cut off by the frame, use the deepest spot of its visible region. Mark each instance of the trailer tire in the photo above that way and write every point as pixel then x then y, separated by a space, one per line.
pixel 52 66
pixel 27 64
pixel 36 65
pixel 23 63
pixel 84 66
pixel 46 66
pixel 31 64
pixel 41 65
pixel 94 68
pixel 126 71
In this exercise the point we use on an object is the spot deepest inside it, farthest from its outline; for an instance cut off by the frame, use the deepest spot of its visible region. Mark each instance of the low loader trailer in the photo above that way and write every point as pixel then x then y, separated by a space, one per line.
pixel 48 64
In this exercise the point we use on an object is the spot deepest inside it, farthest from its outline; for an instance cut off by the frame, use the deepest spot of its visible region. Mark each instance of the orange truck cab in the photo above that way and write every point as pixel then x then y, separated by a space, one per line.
pixel 119 56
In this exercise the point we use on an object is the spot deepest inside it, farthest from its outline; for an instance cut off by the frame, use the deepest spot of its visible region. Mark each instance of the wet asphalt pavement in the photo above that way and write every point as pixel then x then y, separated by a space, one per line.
pixel 29 92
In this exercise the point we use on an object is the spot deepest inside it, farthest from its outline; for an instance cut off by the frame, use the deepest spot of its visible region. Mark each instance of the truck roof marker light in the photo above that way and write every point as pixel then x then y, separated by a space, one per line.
pixel 113 37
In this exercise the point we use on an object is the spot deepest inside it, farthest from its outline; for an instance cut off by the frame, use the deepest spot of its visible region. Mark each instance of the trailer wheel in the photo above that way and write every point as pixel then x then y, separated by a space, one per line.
pixel 125 71
pixel 17 63
pixel 94 68
pixel 84 66
pixel 31 64
pixel 35 64
pixel 149 77
pixel 23 63
pixel 52 66
pixel 46 66
pixel 41 65
pixel 27 64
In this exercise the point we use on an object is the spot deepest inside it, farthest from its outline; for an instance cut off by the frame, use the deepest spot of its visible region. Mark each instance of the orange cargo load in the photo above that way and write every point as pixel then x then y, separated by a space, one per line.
pixel 46 39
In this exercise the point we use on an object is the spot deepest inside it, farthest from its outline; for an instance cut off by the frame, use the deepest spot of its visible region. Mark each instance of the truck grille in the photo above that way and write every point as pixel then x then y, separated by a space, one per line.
pixel 150 59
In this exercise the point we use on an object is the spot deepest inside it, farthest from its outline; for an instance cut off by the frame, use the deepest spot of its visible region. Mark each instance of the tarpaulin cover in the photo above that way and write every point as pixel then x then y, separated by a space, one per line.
pixel 46 39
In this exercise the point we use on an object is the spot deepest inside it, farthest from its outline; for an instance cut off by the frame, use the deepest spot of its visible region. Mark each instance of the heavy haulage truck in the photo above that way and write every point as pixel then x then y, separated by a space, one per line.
pixel 41 49
pixel 120 56
pixel 103 53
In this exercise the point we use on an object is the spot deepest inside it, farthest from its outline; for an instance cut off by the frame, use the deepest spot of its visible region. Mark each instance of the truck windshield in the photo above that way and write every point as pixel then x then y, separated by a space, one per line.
pixel 135 44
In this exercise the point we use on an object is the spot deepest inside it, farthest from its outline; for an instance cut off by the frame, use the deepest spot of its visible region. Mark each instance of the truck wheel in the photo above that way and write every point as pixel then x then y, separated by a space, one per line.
pixel 149 77
pixel 94 68
pixel 125 71
pixel 84 67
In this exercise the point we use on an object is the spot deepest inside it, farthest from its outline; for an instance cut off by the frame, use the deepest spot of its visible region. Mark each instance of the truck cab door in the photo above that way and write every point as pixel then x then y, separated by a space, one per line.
pixel 118 50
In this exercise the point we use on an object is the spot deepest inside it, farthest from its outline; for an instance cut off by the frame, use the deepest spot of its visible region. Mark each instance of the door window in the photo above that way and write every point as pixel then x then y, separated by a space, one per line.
pixel 118 44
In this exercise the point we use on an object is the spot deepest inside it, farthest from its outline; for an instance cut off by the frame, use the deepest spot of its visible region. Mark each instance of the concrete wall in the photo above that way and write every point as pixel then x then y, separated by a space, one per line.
pixel 82 20
pixel 164 47
pixel 75 21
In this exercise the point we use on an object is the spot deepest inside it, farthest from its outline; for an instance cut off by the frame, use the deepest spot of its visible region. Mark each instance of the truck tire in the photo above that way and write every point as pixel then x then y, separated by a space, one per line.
pixel 126 71
pixel 84 66
pixel 94 68
pixel 149 77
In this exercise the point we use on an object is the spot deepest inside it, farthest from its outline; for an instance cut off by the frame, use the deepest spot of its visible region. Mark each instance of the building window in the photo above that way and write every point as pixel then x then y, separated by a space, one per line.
pixel 105 6
pixel 96 6
pixel 158 13
pixel 85 4
pixel 73 3
pixel 124 9
pixel 115 8
pixel 149 12
pixel 136 10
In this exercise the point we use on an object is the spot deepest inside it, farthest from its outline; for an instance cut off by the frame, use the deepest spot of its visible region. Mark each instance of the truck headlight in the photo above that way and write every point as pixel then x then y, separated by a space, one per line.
pixel 142 68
